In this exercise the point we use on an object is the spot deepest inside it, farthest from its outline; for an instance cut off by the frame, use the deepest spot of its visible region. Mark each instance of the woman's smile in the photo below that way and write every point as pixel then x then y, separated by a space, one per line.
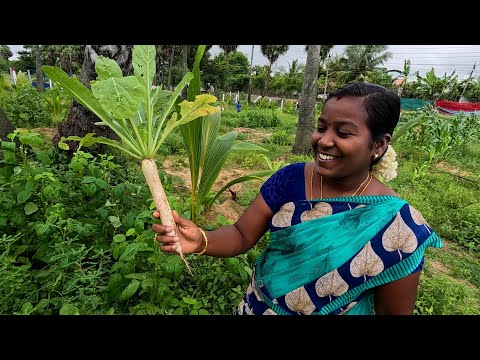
pixel 325 157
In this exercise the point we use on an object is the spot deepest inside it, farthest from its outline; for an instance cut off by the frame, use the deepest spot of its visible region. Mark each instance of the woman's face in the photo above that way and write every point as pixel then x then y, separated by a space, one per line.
pixel 342 141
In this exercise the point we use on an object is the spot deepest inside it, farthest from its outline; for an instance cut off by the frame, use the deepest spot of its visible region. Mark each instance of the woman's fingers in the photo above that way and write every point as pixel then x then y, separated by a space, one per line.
pixel 168 247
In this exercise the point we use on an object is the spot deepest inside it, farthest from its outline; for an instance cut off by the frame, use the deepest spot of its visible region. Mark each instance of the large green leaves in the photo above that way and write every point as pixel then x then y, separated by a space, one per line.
pixel 74 88
pixel 127 104
pixel 119 97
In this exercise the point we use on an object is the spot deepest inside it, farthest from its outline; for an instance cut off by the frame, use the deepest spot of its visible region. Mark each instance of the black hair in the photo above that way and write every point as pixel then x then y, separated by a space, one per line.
pixel 382 106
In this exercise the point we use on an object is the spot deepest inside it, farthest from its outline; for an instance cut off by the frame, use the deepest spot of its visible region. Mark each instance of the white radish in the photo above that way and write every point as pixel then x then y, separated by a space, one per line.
pixel 150 171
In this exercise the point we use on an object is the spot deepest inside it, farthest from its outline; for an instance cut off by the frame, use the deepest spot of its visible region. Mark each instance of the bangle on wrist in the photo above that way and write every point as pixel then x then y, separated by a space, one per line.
pixel 206 242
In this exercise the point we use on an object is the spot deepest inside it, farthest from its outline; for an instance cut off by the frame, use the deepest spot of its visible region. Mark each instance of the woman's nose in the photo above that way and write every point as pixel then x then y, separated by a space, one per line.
pixel 326 140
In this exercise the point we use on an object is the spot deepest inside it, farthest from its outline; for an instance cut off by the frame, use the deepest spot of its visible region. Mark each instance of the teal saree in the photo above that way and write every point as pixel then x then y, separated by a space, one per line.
pixel 328 255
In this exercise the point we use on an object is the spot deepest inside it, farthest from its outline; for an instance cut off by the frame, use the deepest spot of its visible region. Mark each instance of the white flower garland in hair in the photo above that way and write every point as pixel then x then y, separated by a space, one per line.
pixel 386 169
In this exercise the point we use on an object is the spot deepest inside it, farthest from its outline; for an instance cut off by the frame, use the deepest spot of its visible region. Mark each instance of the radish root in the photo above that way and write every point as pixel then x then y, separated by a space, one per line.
pixel 150 171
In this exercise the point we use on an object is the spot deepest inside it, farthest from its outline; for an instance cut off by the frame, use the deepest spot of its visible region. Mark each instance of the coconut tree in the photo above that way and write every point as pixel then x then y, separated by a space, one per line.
pixel 38 68
pixel 80 120
pixel 306 112
pixel 272 53
pixel 359 60
pixel 293 77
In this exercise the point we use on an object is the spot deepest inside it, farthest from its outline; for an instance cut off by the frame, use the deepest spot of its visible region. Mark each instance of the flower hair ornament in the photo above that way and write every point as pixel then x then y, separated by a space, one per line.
pixel 386 169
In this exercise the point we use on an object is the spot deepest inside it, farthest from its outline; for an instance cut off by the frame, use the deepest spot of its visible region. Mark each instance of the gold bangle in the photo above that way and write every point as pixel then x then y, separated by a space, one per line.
pixel 206 242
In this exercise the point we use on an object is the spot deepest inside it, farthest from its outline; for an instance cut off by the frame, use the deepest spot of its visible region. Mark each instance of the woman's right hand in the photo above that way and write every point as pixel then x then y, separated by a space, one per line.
pixel 190 237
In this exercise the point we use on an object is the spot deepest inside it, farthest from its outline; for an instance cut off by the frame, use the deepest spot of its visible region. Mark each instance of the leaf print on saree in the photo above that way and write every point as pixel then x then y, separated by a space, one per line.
pixel 320 209
pixel 399 237
pixel 283 218
pixel 366 262
pixel 417 217
pixel 331 284
pixel 299 301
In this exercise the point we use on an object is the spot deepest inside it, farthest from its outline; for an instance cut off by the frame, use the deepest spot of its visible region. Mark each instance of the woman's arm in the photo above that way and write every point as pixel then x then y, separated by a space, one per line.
pixel 229 240
pixel 397 297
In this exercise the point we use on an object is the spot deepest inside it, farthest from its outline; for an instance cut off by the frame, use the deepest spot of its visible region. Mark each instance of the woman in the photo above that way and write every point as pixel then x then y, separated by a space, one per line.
pixel 342 242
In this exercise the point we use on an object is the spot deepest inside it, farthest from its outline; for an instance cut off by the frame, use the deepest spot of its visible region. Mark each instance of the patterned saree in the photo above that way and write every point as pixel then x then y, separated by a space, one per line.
pixel 327 255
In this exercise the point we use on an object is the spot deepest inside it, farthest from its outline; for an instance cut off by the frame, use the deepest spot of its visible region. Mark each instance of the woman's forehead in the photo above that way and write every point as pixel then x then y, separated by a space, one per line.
pixel 345 108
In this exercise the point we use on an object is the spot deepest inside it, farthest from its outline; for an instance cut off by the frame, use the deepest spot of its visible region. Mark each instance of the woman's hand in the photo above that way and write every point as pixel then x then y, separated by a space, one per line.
pixel 190 235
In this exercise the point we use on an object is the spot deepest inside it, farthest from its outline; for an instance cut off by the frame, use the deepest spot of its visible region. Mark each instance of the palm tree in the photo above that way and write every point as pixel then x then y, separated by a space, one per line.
pixel 306 112
pixel 293 77
pixel 360 60
pixel 81 121
pixel 272 53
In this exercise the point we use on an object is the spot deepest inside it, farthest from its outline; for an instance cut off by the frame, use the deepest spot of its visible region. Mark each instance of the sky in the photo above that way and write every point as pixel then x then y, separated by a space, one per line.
pixel 443 58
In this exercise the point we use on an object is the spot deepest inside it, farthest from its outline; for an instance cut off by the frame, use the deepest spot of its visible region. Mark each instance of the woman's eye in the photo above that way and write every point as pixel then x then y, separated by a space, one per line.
pixel 321 129
pixel 343 134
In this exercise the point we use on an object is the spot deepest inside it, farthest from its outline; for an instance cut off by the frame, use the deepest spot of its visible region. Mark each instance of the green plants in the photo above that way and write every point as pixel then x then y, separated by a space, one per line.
pixel 207 151
pixel 128 106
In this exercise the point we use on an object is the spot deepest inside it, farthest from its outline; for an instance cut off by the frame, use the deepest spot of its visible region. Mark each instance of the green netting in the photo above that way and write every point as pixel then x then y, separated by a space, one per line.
pixel 413 104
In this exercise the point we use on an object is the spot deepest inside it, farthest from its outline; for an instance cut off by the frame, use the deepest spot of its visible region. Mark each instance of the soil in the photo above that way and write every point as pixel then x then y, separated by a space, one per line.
pixel 444 166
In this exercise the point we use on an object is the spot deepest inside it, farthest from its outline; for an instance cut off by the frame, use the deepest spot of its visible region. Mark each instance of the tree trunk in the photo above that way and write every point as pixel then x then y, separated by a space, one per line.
pixel 81 121
pixel 185 69
pixel 250 77
pixel 306 111
pixel 170 64
pixel 6 127
pixel 38 69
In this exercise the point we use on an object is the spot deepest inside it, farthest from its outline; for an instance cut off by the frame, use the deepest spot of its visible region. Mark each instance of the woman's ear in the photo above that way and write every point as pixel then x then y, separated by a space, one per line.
pixel 381 145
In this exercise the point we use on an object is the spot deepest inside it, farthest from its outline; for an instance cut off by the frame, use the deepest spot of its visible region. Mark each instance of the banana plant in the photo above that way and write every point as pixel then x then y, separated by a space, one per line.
pixel 128 106
pixel 207 152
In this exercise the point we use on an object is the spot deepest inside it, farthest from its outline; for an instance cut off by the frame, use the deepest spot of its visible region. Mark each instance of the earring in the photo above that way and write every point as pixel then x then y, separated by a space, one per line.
pixel 375 157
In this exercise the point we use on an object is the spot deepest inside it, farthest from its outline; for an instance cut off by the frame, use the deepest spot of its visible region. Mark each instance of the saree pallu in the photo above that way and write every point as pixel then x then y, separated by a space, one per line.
pixel 331 257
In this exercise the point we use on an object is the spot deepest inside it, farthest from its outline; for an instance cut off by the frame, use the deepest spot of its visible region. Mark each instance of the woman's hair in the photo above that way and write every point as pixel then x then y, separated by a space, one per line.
pixel 382 106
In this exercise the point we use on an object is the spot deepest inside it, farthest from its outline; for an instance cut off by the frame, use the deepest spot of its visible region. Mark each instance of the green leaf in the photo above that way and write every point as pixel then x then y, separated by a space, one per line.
pixel 107 68
pixel 32 139
pixel 119 190
pixel 74 88
pixel 143 61
pixel 130 290
pixel 130 232
pixel 119 97
pixel 189 301
pixel 69 309
pixel 30 208
pixel 62 145
pixel 115 221
pixel 131 250
pixel 88 179
pixel 31 185
pixel 119 238
pixel 23 196
pixel 9 152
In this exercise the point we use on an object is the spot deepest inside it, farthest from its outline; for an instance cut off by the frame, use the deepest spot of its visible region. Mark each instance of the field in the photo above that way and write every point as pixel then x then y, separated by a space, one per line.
pixel 77 238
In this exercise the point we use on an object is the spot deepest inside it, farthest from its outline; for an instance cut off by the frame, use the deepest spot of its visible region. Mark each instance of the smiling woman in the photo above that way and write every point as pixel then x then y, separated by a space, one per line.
pixel 341 242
